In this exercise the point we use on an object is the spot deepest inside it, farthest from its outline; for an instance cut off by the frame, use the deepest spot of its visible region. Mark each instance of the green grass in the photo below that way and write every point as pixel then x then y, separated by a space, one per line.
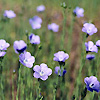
pixel 15 29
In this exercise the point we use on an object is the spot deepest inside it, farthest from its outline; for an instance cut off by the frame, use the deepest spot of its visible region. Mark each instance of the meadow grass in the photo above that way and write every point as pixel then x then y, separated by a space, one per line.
pixel 21 85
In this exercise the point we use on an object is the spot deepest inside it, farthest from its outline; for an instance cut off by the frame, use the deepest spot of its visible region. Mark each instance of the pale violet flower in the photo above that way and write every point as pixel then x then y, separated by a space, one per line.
pixel 40 8
pixel 3 45
pixel 19 46
pixel 90 47
pixel 9 14
pixel 35 22
pixel 34 39
pixel 98 43
pixel 2 53
pixel 60 71
pixel 54 27
pixel 90 56
pixel 79 12
pixel 92 84
pixel 26 59
pixel 42 71
pixel 60 56
pixel 89 28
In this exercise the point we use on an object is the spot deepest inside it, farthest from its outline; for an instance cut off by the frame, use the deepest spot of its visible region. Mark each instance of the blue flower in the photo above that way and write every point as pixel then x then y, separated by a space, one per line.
pixel 79 12
pixel 19 46
pixel 9 14
pixel 34 39
pixel 98 43
pixel 54 27
pixel 2 53
pixel 60 56
pixel 90 57
pixel 35 22
pixel 3 45
pixel 89 28
pixel 60 72
pixel 40 8
pixel 92 84
pixel 90 47
pixel 42 71
pixel 26 59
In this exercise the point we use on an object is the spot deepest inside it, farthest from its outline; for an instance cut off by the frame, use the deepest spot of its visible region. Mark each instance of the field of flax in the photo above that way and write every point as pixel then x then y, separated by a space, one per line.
pixel 56 58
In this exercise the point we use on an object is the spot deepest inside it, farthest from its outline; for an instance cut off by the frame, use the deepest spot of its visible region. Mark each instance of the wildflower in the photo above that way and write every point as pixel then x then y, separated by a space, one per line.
pixel 79 12
pixel 3 45
pixel 34 39
pixel 64 5
pixel 60 72
pixel 98 43
pixel 89 28
pixel 2 53
pixel 90 47
pixel 26 59
pixel 35 22
pixel 54 27
pixel 42 71
pixel 19 46
pixel 92 83
pixel 40 8
pixel 60 56
pixel 9 14
pixel 90 57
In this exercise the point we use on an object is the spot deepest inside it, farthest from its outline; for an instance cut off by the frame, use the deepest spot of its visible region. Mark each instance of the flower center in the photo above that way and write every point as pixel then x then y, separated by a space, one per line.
pixel 25 60
pixel 91 48
pixel 1 47
pixel 91 85
pixel 41 73
pixel 89 30
pixel 60 58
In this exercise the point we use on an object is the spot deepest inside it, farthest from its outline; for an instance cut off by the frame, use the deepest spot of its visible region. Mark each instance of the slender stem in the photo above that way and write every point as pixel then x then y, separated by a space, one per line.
pixel 69 44
pixel 38 91
pixel 1 82
pixel 19 78
pixel 64 29
pixel 13 87
pixel 51 46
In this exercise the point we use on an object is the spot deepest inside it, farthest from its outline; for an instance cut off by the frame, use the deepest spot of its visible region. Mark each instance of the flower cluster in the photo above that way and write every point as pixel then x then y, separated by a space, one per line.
pixel 90 29
pixel 3 47
pixel 25 57
pixel 60 56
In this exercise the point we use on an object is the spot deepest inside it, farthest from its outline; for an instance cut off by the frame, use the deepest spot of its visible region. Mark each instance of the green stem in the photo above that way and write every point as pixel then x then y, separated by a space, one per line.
pixel 13 87
pixel 64 29
pixel 1 82
pixel 19 78
pixel 38 91
pixel 70 33
pixel 51 46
